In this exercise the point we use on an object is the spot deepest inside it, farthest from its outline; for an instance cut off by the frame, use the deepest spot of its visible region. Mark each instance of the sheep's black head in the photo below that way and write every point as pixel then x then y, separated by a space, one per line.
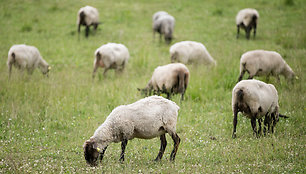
pixel 91 152
pixel 168 38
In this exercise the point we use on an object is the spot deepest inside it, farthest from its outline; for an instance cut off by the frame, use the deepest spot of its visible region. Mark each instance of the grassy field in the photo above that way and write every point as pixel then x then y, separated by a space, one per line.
pixel 45 121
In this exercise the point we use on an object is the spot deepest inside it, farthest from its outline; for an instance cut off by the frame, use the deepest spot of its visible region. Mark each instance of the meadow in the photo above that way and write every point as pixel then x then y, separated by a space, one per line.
pixel 45 121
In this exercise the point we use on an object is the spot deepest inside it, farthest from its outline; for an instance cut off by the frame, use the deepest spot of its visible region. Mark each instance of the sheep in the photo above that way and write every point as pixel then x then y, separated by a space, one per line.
pixel 110 56
pixel 145 119
pixel 169 79
pixel 256 99
pixel 88 16
pixel 26 57
pixel 164 25
pixel 264 63
pixel 190 52
pixel 247 19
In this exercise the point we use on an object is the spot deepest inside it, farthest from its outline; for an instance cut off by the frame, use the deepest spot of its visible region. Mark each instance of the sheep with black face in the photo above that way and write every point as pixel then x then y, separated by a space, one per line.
pixel 145 119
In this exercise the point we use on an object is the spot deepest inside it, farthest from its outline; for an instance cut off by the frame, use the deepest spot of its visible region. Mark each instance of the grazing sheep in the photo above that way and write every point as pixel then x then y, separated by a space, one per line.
pixel 247 19
pixel 88 16
pixel 26 57
pixel 190 52
pixel 255 99
pixel 145 119
pixel 169 79
pixel 164 25
pixel 110 56
pixel 261 62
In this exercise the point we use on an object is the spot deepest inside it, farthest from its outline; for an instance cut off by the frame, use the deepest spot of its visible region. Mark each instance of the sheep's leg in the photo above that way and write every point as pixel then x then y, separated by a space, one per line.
pixel 182 96
pixel 30 71
pixel 176 140
pixel 94 72
pixel 266 123
pixel 251 76
pixel 274 121
pixel 104 73
pixel 123 145
pixel 259 126
pixel 10 69
pixel 168 95
pixel 241 75
pixel 163 144
pixel 268 78
pixel 95 26
pixel 238 31
pixel 278 79
pixel 255 26
pixel 160 37
pixel 248 31
pixel 79 28
pixel 102 153
pixel 87 31
pixel 253 122
pixel 235 121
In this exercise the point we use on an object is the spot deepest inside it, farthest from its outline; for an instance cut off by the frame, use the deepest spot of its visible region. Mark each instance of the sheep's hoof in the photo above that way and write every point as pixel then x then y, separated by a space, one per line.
pixel 157 160
pixel 234 136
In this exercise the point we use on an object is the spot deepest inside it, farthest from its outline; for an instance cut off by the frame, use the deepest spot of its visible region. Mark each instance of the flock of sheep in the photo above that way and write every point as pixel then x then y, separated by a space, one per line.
pixel 154 116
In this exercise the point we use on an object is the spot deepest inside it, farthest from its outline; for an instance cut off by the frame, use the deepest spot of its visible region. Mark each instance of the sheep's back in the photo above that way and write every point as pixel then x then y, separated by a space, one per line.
pixel 25 54
pixel 158 14
pixel 190 51
pixel 264 60
pixel 92 14
pixel 245 16
pixel 113 52
pixel 145 117
pixel 166 75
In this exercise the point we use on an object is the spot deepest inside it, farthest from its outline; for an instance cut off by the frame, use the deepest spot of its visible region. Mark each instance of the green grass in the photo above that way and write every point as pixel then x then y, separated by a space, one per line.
pixel 45 121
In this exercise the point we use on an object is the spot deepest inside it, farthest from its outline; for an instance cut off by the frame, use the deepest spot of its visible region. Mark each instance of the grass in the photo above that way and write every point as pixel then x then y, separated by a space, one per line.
pixel 45 121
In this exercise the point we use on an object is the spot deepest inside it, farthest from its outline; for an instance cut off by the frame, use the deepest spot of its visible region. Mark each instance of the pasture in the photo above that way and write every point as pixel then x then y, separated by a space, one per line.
pixel 45 121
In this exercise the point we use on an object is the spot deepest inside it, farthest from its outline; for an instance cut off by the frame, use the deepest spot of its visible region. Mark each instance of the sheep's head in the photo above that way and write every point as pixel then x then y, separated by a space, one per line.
pixel 45 70
pixel 289 74
pixel 168 38
pixel 91 152
pixel 174 57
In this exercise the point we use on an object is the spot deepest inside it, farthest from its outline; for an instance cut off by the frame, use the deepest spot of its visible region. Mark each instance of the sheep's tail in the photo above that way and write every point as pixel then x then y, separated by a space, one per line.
pixel 13 57
pixel 284 116
pixel 243 67
pixel 242 71
pixel 81 20
pixel 254 18
pixel 181 81
pixel 240 95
